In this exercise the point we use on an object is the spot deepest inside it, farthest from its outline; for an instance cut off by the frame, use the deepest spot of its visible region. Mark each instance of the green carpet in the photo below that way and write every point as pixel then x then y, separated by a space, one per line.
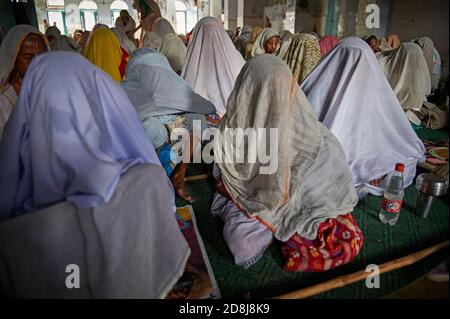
pixel 382 243
pixel 426 134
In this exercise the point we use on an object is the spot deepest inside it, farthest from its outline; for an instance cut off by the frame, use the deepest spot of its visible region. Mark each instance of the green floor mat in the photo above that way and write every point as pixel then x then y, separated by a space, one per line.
pixel 382 244
pixel 427 134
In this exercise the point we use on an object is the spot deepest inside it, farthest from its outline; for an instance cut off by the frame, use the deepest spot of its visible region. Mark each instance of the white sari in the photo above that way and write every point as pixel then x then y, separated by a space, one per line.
pixel 212 63
pixel 351 96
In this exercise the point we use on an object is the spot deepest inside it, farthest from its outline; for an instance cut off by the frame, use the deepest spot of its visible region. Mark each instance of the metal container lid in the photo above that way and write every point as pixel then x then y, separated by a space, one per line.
pixel 431 184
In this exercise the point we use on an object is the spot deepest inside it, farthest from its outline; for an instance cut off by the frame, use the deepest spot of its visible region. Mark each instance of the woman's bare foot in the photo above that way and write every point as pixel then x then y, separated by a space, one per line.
pixel 178 183
pixel 214 120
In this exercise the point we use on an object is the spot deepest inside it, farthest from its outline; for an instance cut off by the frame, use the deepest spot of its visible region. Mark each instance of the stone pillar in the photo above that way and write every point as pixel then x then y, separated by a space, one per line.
pixel 347 19
pixel 319 11
pixel 192 15
pixel 240 13
pixel 289 20
pixel 250 12
pixel 275 12
pixel 41 13
pixel 203 8
pixel 231 14
pixel 215 9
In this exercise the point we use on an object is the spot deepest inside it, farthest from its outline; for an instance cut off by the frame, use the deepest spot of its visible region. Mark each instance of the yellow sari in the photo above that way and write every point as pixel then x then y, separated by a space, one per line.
pixel 104 51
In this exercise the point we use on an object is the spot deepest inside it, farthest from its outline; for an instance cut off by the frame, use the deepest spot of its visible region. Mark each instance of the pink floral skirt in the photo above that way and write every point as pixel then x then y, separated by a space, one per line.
pixel 338 242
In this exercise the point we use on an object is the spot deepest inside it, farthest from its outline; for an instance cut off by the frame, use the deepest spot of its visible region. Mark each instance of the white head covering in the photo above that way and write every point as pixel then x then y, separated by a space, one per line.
pixel 124 40
pixel 436 74
pixel 129 247
pixel 151 41
pixel 70 137
pixel 155 89
pixel 10 48
pixel 350 95
pixel 312 181
pixel 162 27
pixel 258 48
pixel 174 49
pixel 433 60
pixel 212 63
pixel 407 72
pixel 427 46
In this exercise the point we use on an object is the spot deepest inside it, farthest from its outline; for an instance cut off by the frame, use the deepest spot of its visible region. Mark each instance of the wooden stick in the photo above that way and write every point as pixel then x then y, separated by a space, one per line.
pixel 361 275
pixel 196 178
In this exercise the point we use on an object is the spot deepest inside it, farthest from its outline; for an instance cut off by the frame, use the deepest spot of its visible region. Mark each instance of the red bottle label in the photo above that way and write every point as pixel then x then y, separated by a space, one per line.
pixel 392 206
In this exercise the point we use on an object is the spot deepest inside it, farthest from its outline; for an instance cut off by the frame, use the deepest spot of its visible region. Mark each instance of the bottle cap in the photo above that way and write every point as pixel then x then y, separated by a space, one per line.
pixel 400 167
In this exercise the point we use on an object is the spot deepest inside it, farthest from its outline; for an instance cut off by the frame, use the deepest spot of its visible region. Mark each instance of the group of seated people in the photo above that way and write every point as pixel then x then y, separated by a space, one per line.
pixel 87 170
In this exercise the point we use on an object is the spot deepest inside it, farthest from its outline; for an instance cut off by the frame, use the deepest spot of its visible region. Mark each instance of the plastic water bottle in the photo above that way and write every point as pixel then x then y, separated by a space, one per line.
pixel 393 197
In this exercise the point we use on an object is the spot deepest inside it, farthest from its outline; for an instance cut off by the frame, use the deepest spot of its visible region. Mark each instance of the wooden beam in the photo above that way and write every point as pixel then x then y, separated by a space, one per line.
pixel 197 178
pixel 362 275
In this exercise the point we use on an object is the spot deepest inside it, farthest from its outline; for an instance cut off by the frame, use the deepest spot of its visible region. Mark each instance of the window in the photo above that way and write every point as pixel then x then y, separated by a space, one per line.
pixel 56 17
pixel 55 3
pixel 181 17
pixel 116 7
pixel 88 5
pixel 88 12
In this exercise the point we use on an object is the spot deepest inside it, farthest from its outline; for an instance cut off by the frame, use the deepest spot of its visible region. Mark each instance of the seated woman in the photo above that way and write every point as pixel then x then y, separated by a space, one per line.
pixel 20 46
pixel 302 55
pixel 306 201
pixel 162 27
pixel 60 42
pixel 124 29
pixel 105 52
pixel 433 60
pixel 212 63
pixel 172 47
pixel 84 40
pixel 157 92
pixel 85 188
pixel 148 11
pixel 241 41
pixel 350 95
pixel 151 41
pixel 406 71
pixel 268 42
pixel 372 41
pixel 256 31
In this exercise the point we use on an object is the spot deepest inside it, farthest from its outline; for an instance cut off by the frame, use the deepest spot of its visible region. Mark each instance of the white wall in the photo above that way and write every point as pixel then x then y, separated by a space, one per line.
pixel 73 20
pixel 424 18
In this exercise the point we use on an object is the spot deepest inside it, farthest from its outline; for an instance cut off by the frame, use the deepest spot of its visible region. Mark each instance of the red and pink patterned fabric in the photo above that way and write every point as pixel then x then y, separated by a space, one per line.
pixel 327 43
pixel 338 242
